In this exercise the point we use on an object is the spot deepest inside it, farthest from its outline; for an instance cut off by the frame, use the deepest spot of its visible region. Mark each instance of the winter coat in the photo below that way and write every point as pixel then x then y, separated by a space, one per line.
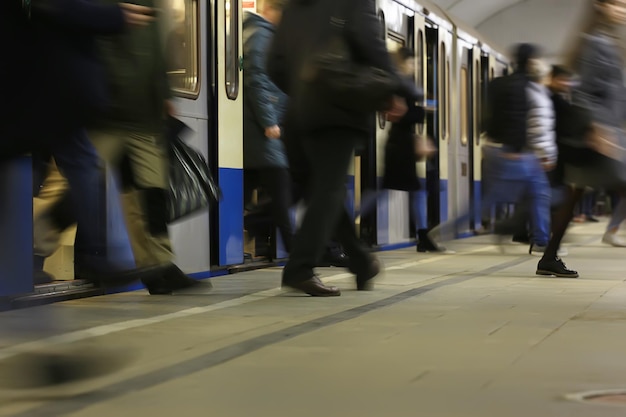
pixel 305 25
pixel 54 54
pixel 507 113
pixel 600 91
pixel 540 132
pixel 264 104
pixel 400 170
pixel 136 76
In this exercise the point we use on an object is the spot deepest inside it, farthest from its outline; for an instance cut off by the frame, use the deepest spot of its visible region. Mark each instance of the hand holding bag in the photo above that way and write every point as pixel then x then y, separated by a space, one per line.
pixel 424 147
pixel 191 185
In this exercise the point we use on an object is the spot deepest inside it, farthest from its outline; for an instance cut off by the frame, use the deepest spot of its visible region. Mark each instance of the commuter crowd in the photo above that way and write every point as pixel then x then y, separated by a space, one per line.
pixel 98 98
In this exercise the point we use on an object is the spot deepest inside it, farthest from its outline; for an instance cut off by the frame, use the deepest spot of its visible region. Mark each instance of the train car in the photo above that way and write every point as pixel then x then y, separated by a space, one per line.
pixel 452 65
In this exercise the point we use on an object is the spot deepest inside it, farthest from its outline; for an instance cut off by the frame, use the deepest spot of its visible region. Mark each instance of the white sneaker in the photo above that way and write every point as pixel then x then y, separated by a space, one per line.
pixel 614 240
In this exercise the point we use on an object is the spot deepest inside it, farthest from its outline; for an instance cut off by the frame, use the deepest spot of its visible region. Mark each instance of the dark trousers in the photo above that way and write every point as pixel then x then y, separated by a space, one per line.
pixel 319 163
pixel 79 163
pixel 277 183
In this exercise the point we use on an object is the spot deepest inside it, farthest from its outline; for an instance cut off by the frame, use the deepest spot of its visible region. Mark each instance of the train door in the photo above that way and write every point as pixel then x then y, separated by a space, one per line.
pixel 439 45
pixel 189 51
pixel 421 196
pixel 479 82
pixel 365 169
pixel 228 131
pixel 432 121
pixel 447 97
pixel 389 223
pixel 463 184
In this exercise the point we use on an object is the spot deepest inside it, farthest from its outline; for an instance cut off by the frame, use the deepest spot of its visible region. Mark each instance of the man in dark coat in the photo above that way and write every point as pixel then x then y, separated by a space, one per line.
pixel 321 137
pixel 53 78
pixel 264 157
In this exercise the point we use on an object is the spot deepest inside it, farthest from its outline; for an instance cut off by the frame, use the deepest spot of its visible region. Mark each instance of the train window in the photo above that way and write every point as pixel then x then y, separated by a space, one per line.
pixel 478 111
pixel 382 117
pixel 443 99
pixel 383 24
pixel 419 62
pixel 419 67
pixel 464 106
pixel 447 98
pixel 231 40
pixel 431 76
pixel 182 46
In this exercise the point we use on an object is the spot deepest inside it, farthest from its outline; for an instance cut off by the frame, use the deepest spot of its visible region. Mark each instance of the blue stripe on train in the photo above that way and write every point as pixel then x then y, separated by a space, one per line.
pixel 231 216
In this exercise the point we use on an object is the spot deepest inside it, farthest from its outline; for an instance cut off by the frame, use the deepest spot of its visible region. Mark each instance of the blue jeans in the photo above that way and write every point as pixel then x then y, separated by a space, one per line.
pixel 512 177
pixel 523 177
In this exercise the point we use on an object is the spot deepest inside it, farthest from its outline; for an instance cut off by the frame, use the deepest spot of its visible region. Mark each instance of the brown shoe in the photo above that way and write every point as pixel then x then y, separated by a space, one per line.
pixel 314 287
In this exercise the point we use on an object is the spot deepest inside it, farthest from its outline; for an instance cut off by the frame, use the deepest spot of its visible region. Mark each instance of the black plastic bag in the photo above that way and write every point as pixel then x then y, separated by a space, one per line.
pixel 192 187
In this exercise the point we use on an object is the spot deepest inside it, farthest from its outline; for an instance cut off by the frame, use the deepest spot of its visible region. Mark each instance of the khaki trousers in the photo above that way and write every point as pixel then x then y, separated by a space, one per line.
pixel 147 158
pixel 45 236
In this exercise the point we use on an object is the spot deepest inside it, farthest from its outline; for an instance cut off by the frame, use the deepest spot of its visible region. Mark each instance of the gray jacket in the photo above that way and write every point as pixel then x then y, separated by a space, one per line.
pixel 541 137
pixel 601 90
pixel 264 104
pixel 601 80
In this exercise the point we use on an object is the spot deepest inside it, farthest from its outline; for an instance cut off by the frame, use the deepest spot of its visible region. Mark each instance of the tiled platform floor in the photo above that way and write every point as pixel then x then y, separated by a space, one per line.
pixel 473 334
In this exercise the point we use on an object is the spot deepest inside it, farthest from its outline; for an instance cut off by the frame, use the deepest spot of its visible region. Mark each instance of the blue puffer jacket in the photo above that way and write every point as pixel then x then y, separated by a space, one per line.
pixel 264 103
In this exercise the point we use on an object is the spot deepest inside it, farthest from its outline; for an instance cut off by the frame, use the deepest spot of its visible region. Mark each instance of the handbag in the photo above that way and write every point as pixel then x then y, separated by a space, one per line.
pixel 346 83
pixel 605 141
pixel 191 184
pixel 424 147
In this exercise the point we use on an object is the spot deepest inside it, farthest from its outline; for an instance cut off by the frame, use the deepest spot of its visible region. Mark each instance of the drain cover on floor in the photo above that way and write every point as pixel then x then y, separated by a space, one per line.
pixel 615 397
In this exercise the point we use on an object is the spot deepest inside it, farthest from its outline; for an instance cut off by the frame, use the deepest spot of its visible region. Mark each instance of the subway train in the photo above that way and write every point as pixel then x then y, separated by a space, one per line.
pixel 453 64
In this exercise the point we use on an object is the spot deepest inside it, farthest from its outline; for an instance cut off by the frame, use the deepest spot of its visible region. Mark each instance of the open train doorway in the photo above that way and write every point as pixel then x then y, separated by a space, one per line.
pixel 432 123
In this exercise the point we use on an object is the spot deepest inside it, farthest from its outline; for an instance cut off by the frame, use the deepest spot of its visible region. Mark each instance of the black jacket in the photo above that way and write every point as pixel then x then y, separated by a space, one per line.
pixel 136 75
pixel 400 170
pixel 507 111
pixel 52 79
pixel 573 123
pixel 304 26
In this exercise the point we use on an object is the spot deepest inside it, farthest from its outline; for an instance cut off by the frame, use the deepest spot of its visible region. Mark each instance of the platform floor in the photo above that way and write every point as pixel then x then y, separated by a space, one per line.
pixel 472 334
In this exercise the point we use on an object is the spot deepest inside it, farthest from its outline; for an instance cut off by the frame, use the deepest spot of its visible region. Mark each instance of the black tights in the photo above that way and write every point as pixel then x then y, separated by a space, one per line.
pixel 561 220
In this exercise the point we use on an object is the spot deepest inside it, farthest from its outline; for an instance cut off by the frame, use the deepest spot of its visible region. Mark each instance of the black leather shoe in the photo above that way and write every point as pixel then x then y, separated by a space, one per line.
pixel 168 279
pixel 365 275
pixel 555 267
pixel 314 287
pixel 177 279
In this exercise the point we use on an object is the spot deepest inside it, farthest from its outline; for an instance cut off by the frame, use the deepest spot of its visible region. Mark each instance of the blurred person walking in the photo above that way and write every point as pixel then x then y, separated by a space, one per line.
pixel 52 45
pixel 597 146
pixel 321 132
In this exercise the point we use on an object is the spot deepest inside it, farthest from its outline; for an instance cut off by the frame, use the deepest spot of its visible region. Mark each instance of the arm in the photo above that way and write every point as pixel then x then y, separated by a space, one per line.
pixel 362 29
pixel 540 126
pixel 262 94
